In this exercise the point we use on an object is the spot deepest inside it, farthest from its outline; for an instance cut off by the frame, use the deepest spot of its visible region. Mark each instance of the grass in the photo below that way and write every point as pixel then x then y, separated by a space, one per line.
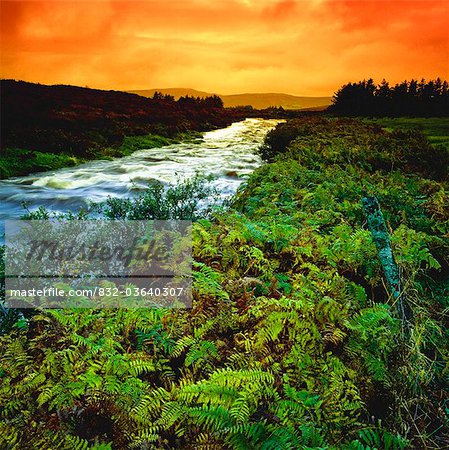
pixel 15 162
pixel 436 129
pixel 132 144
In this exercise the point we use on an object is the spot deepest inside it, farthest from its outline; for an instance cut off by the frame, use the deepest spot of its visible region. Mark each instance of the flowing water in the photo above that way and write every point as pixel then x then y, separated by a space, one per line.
pixel 228 154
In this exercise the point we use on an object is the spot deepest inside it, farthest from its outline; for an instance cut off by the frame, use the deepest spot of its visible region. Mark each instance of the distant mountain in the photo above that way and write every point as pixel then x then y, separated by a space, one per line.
pixel 176 92
pixel 287 101
pixel 258 101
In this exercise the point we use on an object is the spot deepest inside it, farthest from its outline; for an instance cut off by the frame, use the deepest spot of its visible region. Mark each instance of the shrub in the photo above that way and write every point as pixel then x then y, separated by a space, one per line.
pixel 183 201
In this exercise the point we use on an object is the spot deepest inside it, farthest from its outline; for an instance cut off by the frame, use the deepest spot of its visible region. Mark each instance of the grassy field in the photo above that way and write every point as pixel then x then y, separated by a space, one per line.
pixel 436 129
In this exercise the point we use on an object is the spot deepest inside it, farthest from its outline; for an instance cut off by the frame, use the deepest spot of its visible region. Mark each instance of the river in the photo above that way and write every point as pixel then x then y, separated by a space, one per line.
pixel 228 154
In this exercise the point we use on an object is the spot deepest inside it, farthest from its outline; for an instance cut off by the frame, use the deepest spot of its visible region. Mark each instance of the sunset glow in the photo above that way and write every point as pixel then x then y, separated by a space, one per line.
pixel 226 46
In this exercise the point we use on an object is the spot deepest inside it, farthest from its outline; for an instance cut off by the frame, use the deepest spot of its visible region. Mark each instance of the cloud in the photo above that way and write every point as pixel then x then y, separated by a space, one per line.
pixel 303 47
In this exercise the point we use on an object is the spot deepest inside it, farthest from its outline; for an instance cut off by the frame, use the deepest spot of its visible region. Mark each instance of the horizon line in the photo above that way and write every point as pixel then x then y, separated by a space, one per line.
pixel 127 90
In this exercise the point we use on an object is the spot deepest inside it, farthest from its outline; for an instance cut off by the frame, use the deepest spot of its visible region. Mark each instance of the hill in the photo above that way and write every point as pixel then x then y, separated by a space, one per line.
pixel 176 92
pixel 74 118
pixel 256 100
pixel 45 127
pixel 260 101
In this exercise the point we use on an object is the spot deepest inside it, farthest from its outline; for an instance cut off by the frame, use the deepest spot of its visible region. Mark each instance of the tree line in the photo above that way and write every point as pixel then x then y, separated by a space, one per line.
pixel 408 98
pixel 212 101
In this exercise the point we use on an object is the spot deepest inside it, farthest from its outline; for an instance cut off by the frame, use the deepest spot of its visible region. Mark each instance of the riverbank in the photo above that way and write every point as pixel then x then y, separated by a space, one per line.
pixel 50 127
pixel 16 162
pixel 226 154
pixel 324 321
pixel 293 340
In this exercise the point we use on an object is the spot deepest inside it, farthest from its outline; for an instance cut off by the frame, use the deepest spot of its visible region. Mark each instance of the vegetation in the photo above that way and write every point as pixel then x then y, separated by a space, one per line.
pixel 293 340
pixel 16 161
pixel 184 201
pixel 346 142
pixel 48 127
pixel 409 98
pixel 436 129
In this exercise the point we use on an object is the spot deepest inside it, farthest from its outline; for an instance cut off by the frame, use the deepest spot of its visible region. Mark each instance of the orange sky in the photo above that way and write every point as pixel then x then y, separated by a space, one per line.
pixel 304 47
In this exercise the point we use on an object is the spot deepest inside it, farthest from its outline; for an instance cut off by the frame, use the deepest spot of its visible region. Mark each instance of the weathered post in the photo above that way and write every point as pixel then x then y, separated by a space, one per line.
pixel 381 237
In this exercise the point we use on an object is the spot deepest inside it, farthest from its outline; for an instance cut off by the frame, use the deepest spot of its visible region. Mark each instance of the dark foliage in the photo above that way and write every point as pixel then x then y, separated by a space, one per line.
pixel 75 120
pixel 409 98
pixel 49 127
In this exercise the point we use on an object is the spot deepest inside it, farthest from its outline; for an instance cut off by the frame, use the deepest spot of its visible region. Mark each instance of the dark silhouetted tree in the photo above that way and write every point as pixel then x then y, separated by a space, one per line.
pixel 408 98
